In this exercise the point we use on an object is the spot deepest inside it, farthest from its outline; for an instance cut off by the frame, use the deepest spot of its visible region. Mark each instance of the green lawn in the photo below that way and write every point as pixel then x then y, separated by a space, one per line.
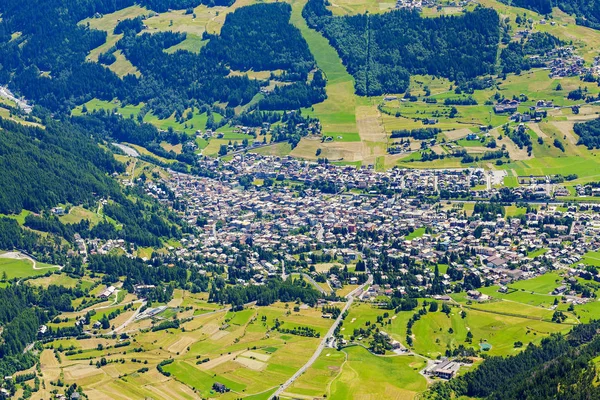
pixel 337 112
pixel 511 181
pixel 20 218
pixel 543 284
pixel 415 234
pixel 368 376
pixel 536 253
pixel 20 268
pixel 591 258
pixel 513 211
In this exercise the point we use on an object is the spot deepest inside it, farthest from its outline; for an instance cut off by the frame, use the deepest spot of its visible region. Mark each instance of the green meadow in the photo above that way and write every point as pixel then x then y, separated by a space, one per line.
pixel 337 112
pixel 21 268
pixel 365 375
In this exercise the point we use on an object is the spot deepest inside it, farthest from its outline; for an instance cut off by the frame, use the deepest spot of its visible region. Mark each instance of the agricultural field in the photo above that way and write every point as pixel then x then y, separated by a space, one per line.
pixel 238 349
pixel 243 351
pixel 359 128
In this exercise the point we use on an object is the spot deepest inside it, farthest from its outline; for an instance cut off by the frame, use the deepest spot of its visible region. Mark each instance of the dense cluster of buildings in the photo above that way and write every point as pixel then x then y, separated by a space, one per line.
pixel 365 212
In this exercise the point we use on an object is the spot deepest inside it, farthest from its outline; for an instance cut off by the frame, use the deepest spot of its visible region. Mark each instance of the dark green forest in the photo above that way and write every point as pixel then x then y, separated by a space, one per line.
pixel 40 168
pixel 560 368
pixel 589 133
pixel 586 12
pixel 260 37
pixel 381 51
pixel 47 62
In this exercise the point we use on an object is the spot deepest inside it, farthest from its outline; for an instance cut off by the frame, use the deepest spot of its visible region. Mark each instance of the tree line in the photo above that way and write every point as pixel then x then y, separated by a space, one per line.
pixel 40 168
pixel 47 62
pixel 560 367
pixel 381 51
pixel 589 133
pixel 587 13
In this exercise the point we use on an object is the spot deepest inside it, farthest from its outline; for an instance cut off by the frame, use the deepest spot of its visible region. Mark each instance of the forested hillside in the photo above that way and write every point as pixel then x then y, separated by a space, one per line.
pixel 381 51
pixel 47 64
pixel 589 133
pixel 586 12
pixel 40 168
pixel 271 41
pixel 561 367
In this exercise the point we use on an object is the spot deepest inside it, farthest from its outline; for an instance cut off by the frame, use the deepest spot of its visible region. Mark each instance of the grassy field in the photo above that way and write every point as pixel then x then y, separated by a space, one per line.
pixel 433 335
pixel 365 375
pixel 20 268
pixel 417 233
pixel 277 149
pixel 591 258
pixel 20 218
pixel 536 253
pixel 60 280
pixel 337 113
pixel 78 214
pixel 126 111
pixel 543 284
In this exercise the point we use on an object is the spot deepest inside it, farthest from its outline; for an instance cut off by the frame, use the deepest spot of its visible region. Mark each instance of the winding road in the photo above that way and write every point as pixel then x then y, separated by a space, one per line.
pixel 18 255
pixel 326 338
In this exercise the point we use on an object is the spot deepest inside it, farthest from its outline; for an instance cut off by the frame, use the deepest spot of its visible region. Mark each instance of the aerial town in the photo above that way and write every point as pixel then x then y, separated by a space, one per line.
pixel 381 221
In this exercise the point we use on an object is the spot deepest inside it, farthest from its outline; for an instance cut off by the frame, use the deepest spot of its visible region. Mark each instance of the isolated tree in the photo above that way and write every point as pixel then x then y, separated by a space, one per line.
pixel 222 150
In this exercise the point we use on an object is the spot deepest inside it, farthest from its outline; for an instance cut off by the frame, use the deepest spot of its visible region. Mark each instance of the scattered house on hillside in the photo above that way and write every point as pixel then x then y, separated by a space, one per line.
pixel 58 211
pixel 506 106
pixel 142 290
pixel 559 290
pixel 107 292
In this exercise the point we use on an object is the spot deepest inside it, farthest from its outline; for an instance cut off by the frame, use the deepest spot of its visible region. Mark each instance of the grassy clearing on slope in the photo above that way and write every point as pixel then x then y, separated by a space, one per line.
pixel 365 375
pixel 20 268
pixel 337 112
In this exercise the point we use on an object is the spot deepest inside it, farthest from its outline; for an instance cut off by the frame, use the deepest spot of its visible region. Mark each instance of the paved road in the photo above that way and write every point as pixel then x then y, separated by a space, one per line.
pixel 7 94
pixel 314 283
pixel 130 151
pixel 20 255
pixel 130 320
pixel 283 274
pixel 322 345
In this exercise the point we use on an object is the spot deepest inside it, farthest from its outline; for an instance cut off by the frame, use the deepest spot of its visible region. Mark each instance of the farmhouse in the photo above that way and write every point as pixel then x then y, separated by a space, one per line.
pixel 559 290
pixel 506 106
pixel 107 292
